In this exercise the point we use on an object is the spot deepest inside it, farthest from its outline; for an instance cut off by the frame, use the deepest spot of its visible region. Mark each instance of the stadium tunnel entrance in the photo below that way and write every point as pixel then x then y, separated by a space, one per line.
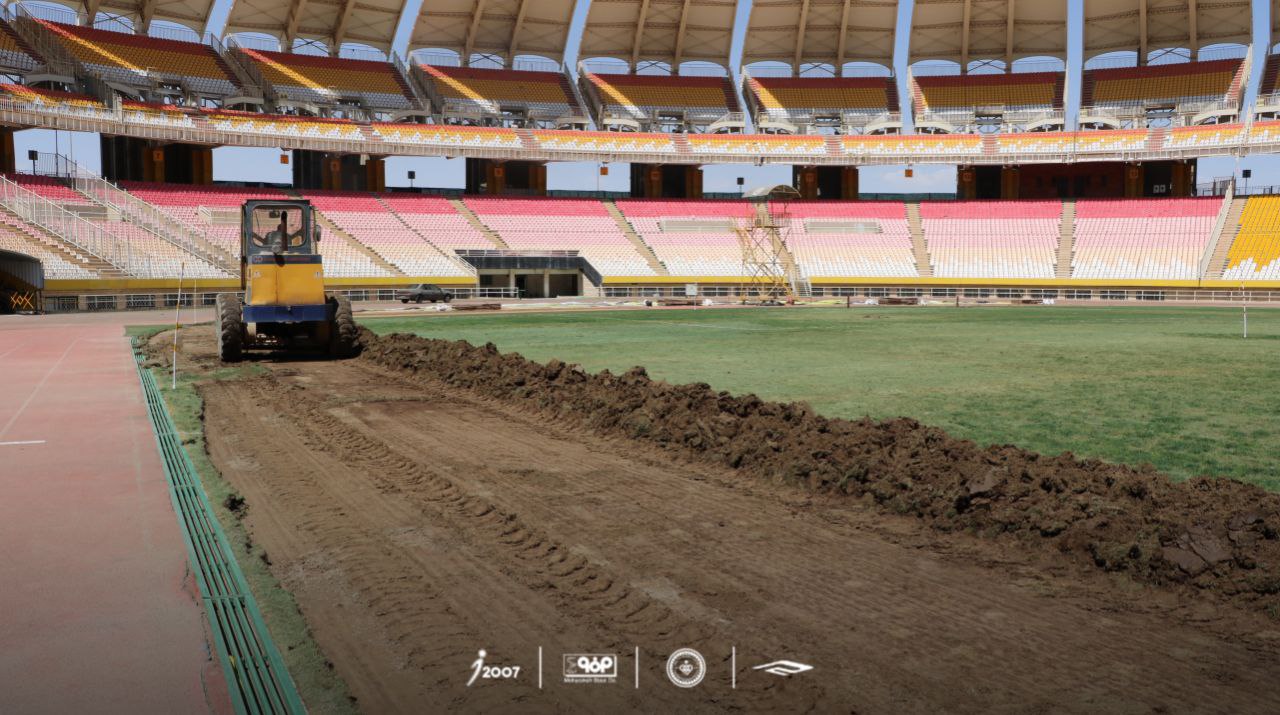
pixel 537 274
pixel 21 283
pixel 133 159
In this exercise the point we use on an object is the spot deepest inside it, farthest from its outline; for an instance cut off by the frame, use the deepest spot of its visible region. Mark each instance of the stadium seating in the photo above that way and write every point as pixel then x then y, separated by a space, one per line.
pixel 582 225
pixel 445 135
pixel 161 114
pixel 1185 83
pixel 325 80
pixel 435 218
pixel 690 237
pixel 363 217
pixel 1204 136
pixel 1255 253
pixel 1265 132
pixel 134 59
pixel 756 144
pixel 640 96
pixel 839 239
pixel 604 142
pixel 1066 142
pixel 1145 239
pixel 797 99
pixel 62 101
pixel 472 91
pixel 162 258
pixel 992 239
pixel 932 144
pixel 310 127
pixel 213 211
pixel 16 235
pixel 1024 91
pixel 14 52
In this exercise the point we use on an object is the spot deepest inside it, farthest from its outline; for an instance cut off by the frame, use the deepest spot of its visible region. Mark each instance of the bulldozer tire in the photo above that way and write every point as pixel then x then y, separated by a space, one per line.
pixel 230 327
pixel 344 337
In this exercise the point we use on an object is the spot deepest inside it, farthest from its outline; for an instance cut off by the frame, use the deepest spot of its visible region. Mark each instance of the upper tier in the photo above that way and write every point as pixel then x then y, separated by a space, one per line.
pixel 314 78
pixel 134 59
pixel 963 93
pixel 639 96
pixel 470 91
pixel 1184 83
pixel 798 98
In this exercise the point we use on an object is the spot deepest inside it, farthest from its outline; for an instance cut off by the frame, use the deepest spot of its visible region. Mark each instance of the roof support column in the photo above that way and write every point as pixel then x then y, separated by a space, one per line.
pixel 635 43
pixel 1008 38
pixel 842 42
pixel 515 33
pixel 1194 31
pixel 675 58
pixel 1142 33
pixel 800 31
pixel 476 15
pixel 964 37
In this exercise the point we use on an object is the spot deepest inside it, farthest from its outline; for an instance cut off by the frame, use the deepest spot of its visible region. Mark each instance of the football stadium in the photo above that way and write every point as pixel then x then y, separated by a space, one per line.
pixel 874 356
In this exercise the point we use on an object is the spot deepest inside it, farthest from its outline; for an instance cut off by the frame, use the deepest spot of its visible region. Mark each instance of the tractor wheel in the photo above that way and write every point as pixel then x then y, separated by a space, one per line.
pixel 230 327
pixel 344 336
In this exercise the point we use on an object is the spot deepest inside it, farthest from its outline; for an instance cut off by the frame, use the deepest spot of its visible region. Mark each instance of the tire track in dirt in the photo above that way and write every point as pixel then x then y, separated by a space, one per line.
pixel 416 522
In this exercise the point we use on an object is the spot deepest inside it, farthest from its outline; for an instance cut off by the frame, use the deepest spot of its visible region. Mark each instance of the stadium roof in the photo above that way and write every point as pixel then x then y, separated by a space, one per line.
pixel 189 13
pixel 821 31
pixel 498 27
pixel 369 22
pixel 967 30
pixel 671 31
pixel 1146 25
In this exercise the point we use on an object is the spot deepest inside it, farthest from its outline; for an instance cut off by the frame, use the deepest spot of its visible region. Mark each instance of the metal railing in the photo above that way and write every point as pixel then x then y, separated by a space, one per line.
pixel 147 216
pixel 71 228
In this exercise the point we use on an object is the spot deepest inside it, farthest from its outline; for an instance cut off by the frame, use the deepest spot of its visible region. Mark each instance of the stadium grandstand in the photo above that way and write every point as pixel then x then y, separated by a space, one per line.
pixel 1111 202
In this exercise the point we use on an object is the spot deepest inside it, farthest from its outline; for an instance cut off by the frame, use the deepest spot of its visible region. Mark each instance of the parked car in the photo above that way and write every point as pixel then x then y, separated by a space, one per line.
pixel 424 292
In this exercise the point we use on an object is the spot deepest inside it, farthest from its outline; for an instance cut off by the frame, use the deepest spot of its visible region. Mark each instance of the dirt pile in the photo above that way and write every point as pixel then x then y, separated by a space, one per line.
pixel 1214 534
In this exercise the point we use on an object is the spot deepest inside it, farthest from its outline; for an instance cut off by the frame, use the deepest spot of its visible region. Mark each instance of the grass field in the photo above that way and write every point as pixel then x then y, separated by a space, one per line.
pixel 1176 387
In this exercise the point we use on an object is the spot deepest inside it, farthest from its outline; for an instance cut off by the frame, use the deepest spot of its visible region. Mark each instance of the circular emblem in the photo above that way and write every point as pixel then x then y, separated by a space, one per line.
pixel 686 667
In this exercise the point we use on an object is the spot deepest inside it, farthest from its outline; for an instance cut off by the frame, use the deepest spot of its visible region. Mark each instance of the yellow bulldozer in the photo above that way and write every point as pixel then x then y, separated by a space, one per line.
pixel 285 306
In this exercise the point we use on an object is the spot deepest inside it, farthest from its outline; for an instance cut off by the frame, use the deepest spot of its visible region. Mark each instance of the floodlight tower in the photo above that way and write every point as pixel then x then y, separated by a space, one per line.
pixel 770 273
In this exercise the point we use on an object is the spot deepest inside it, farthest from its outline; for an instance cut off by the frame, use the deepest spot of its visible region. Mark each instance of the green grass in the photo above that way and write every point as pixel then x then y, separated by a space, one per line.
pixel 321 689
pixel 1176 387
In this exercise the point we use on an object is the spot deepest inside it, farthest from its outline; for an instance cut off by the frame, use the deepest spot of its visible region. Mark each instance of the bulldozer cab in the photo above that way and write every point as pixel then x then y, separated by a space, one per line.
pixel 279 228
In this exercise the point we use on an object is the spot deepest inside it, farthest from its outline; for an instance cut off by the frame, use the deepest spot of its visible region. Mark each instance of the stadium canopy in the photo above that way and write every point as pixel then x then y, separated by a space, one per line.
pixel 831 32
pixel 505 28
pixel 333 22
pixel 671 31
pixel 964 31
pixel 188 13
pixel 1145 25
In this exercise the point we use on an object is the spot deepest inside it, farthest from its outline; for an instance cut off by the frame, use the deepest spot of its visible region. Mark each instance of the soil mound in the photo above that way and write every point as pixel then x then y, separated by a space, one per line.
pixel 1217 535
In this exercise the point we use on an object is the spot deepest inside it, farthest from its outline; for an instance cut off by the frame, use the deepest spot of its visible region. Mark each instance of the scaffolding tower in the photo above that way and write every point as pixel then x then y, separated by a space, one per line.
pixel 770 274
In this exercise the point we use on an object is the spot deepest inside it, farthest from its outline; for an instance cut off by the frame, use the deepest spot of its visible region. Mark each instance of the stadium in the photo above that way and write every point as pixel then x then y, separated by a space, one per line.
pixel 639 356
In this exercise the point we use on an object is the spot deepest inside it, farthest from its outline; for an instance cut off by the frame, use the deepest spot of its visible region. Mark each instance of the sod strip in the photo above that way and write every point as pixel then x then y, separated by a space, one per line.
pixel 256 676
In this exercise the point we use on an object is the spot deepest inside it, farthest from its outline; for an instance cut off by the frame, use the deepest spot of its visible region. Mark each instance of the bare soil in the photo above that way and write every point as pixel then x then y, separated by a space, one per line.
pixel 430 499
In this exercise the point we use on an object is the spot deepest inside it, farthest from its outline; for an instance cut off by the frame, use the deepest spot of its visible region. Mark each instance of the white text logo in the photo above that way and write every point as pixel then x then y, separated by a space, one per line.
pixel 590 668
pixel 491 672
pixel 686 667
pixel 784 667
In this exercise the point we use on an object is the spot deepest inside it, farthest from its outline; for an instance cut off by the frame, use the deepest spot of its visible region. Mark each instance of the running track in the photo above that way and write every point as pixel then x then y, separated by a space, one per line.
pixel 98 609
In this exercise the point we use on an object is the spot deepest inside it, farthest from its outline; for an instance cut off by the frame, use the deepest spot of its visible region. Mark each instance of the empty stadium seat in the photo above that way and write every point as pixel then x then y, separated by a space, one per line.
pixel 992 239
pixel 367 220
pixel 640 96
pixel 325 80
pixel 671 228
pixel 445 135
pixel 294 126
pixel 472 91
pixel 798 99
pixel 934 144
pixel 135 59
pixel 1184 83
pixel 552 224
pixel 604 142
pixel 1255 253
pixel 69 102
pixel 1020 91
pixel 1143 239
pixel 14 51
pixel 838 239
pixel 756 144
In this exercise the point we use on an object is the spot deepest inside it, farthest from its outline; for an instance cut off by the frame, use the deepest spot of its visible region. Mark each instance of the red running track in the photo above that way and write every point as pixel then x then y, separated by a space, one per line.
pixel 99 611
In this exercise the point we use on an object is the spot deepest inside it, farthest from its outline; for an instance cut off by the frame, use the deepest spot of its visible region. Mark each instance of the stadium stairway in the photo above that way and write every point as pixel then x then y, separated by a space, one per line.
pixel 1066 240
pixel 642 248
pixel 462 208
pixel 332 230
pixel 1226 237
pixel 425 239
pixel 918 246
pixel 60 248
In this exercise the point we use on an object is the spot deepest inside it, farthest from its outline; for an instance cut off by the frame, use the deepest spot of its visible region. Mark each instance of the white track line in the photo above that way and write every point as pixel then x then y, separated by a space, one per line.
pixel 21 442
pixel 39 385
pixel 10 350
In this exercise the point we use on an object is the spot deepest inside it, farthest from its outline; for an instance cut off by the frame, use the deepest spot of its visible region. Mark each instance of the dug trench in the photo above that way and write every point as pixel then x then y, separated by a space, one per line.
pixel 430 499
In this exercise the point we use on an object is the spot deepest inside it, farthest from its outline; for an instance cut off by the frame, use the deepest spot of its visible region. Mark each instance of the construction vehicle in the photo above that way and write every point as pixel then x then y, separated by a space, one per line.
pixel 285 306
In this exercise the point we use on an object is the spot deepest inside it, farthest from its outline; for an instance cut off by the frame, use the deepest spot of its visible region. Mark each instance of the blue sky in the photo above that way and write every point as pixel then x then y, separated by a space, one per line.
pixel 237 164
